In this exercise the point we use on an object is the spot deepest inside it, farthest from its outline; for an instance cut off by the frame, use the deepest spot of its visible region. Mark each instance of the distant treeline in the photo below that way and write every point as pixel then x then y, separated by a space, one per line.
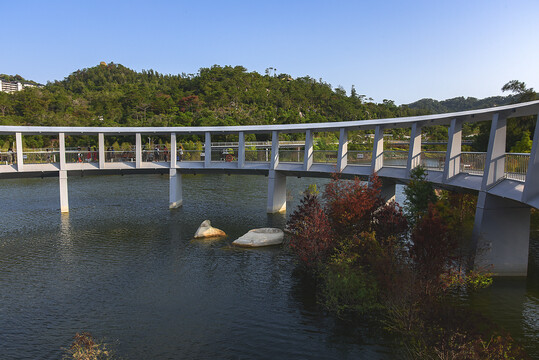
pixel 461 104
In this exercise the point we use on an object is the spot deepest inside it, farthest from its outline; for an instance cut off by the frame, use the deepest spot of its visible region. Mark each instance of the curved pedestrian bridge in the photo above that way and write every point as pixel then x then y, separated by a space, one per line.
pixel 507 183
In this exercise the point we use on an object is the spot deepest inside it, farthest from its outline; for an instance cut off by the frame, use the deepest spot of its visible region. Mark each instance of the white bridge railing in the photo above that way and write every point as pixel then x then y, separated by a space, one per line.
pixel 473 163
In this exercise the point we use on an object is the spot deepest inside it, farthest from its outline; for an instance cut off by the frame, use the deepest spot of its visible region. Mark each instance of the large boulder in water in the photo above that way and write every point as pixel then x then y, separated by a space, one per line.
pixel 260 237
pixel 206 230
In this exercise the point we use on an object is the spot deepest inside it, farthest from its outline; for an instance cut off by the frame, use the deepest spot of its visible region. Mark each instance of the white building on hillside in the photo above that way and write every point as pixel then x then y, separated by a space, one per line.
pixel 12 86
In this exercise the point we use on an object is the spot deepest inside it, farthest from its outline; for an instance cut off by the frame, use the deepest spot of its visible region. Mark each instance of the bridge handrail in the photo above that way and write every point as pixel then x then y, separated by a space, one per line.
pixel 514 110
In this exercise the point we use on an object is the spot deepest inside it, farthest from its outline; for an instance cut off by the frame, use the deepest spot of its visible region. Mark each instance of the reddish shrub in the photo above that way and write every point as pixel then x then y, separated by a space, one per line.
pixel 350 205
pixel 432 247
pixel 389 221
pixel 312 239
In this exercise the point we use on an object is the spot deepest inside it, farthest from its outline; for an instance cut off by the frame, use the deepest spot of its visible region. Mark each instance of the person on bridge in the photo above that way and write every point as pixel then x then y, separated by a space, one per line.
pixel 156 153
pixel 165 151
pixel 11 156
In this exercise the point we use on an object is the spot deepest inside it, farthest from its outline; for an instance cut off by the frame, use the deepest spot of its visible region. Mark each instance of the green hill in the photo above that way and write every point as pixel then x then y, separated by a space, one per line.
pixel 114 95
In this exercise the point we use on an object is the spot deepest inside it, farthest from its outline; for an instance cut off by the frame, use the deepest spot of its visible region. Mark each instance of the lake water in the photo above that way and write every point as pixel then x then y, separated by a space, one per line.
pixel 124 267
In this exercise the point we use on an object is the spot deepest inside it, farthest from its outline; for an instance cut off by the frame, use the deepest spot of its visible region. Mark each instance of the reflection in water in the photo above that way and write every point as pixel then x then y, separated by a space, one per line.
pixel 124 267
pixel 65 238
pixel 530 321
pixel 513 303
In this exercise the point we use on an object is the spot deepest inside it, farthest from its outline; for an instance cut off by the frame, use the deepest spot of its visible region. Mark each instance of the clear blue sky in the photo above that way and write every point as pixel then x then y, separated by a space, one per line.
pixel 395 49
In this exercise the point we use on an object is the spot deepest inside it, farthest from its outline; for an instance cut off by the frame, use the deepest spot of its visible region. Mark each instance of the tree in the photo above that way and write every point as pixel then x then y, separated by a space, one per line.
pixel 5 103
pixel 353 92
pixel 419 194
pixel 519 88
pixel 524 145
pixel 312 238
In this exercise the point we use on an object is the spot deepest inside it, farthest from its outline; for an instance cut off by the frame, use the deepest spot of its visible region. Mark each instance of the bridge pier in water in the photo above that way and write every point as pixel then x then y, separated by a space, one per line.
pixel 175 191
pixel 387 191
pixel 62 175
pixel 501 235
pixel 64 203
pixel 276 192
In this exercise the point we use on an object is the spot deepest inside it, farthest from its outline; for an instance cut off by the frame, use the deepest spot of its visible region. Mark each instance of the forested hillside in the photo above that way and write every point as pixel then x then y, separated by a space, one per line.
pixel 113 95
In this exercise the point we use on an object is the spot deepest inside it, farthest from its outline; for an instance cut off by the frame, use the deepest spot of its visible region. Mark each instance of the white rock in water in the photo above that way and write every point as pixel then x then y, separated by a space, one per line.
pixel 206 230
pixel 260 237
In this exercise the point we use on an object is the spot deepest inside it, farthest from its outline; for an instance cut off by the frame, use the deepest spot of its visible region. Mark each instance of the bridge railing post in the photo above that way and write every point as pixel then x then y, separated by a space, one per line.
pixel 173 151
pixel 19 150
pixel 454 149
pixel 531 186
pixel 138 150
pixel 495 160
pixel 414 150
pixel 101 140
pixel 378 150
pixel 62 154
pixel 207 150
pixel 274 150
pixel 241 150
pixel 342 155
pixel 309 150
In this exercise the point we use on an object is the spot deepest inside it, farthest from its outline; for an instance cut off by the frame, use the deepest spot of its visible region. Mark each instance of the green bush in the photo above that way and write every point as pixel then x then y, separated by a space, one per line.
pixel 348 290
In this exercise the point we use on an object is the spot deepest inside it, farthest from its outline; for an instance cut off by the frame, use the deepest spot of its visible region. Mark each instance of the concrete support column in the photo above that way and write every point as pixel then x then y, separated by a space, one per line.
pixel 276 192
pixel 101 141
pixel 274 150
pixel 387 191
pixel 531 186
pixel 175 193
pixel 342 155
pixel 62 174
pixel 308 156
pixel 495 161
pixel 138 150
pixel 454 149
pixel 207 150
pixel 241 150
pixel 64 201
pixel 18 149
pixel 501 235
pixel 378 150
pixel 173 151
pixel 414 151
